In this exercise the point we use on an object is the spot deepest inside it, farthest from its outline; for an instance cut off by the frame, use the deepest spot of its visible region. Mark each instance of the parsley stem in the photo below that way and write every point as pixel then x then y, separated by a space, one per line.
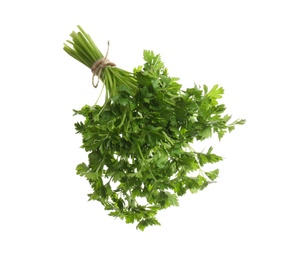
pixel 83 49
pixel 123 120
pixel 170 103
pixel 167 138
pixel 99 94
pixel 140 152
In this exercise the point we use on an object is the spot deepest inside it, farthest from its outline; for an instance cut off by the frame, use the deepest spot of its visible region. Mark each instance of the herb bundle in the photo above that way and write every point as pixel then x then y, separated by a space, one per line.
pixel 139 142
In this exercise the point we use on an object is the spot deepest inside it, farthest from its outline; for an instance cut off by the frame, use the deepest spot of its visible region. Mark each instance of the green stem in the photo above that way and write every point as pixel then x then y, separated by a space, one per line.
pixel 83 49
pixel 140 152
pixel 167 138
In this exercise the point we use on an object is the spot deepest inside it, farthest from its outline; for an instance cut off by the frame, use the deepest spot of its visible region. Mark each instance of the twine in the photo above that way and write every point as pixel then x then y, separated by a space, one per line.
pixel 99 65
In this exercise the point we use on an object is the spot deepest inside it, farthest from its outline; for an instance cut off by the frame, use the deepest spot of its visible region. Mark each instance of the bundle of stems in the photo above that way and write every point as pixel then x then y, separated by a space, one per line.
pixel 83 49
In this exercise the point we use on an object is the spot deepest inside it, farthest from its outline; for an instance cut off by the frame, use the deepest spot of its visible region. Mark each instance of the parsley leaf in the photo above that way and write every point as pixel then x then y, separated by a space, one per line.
pixel 140 158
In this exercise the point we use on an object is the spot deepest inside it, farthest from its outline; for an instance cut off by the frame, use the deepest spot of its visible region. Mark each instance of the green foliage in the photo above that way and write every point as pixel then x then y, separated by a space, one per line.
pixel 140 157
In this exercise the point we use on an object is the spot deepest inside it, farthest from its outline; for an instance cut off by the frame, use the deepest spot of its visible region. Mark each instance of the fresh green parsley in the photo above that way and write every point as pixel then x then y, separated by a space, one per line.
pixel 140 141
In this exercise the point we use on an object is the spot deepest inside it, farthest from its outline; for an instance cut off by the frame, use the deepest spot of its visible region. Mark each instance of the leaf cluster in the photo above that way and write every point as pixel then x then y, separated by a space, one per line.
pixel 140 158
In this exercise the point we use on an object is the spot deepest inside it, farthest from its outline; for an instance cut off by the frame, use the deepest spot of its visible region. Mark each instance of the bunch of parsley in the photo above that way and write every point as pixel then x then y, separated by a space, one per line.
pixel 139 142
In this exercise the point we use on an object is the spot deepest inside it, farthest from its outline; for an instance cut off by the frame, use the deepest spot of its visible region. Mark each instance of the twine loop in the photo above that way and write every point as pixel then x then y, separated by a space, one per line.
pixel 99 65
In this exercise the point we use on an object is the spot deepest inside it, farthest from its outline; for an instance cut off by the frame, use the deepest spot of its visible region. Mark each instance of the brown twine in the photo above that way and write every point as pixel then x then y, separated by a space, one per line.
pixel 99 65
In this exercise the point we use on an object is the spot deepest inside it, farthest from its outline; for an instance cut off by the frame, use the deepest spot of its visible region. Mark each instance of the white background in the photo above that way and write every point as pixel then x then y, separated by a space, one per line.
pixel 244 46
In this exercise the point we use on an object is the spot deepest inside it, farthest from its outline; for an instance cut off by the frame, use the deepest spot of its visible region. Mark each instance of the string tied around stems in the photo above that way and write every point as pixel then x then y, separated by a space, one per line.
pixel 99 65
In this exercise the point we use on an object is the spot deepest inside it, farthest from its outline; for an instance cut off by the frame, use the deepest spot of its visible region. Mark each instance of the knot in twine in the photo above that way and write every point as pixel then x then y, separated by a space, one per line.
pixel 99 65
